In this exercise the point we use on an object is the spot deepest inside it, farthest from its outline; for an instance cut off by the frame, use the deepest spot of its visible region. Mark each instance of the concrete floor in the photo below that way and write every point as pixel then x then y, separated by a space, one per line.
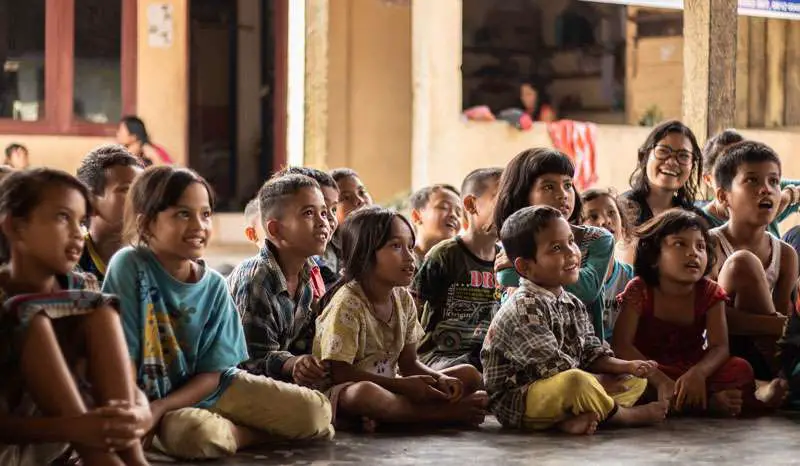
pixel 766 441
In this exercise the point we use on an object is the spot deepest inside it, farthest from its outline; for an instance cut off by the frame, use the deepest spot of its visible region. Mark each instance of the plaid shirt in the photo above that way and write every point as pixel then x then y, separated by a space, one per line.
pixel 535 335
pixel 276 326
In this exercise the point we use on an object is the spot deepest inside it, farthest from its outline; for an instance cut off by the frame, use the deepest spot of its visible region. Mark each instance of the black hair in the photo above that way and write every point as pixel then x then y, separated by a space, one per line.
pixel 595 193
pixel 419 200
pixel 475 182
pixel 251 209
pixel 92 171
pixel 324 179
pixel 340 173
pixel 154 191
pixel 136 127
pixel 11 148
pixel 21 192
pixel 740 153
pixel 277 192
pixel 651 235
pixel 687 194
pixel 364 232
pixel 521 228
pixel 714 147
pixel 520 175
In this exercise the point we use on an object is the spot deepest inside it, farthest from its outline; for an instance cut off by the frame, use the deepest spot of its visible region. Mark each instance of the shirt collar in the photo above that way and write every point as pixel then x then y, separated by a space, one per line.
pixel 269 253
pixel 533 289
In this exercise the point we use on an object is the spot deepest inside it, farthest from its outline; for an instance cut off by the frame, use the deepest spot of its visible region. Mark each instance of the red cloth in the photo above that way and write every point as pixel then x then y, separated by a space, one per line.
pixel 317 283
pixel 676 347
pixel 577 139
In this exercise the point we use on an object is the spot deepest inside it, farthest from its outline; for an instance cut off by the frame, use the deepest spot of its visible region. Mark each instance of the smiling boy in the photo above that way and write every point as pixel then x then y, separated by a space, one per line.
pixel 436 215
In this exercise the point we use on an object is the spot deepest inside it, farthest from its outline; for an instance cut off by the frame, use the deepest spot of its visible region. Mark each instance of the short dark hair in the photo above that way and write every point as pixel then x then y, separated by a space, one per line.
pixel 652 233
pixel 419 200
pixel 319 176
pixel 21 191
pixel 475 182
pixel 276 192
pixel 596 193
pixel 339 173
pixel 715 146
pixel 251 209
pixel 136 127
pixel 521 229
pixel 92 171
pixel 521 174
pixel 11 148
pixel 740 153
pixel 154 191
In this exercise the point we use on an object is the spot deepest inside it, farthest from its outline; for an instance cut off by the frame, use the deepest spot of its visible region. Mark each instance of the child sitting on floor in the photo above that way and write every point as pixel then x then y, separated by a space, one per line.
pixel 58 332
pixel 756 269
pixel 436 215
pixel 108 172
pixel 253 230
pixel 352 193
pixel 674 315
pixel 368 333
pixel 184 336
pixel 602 209
pixel 540 353
pixel 455 286
pixel 274 291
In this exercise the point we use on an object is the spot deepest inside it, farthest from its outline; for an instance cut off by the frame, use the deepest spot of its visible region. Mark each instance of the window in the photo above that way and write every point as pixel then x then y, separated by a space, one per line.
pixel 68 66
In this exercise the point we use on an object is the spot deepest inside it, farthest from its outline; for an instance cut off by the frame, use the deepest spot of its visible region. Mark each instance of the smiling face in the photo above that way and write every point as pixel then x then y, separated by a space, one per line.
pixel 302 229
pixel 51 236
pixel 441 217
pixel 558 257
pixel 331 196
pixel 394 262
pixel 602 212
pixel 683 258
pixel 670 162
pixel 182 231
pixel 555 191
pixel 755 193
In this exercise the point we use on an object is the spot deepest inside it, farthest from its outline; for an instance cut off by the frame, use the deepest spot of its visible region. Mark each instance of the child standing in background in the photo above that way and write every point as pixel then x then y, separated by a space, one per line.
pixel 455 286
pixel 53 322
pixel 543 176
pixel 541 354
pixel 436 215
pixel 368 334
pixel 602 209
pixel 108 172
pixel 184 335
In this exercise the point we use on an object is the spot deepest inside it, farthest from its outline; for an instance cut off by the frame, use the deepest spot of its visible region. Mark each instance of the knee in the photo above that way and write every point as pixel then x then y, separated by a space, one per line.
pixel 578 381
pixel 468 375
pixel 740 370
pixel 313 412
pixel 193 433
pixel 743 267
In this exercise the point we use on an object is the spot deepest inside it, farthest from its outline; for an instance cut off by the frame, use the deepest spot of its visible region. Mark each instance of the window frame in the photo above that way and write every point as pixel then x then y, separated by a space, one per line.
pixel 59 75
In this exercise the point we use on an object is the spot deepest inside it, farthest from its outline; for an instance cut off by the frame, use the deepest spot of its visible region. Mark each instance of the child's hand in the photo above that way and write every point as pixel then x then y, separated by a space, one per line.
pixel 108 428
pixel 666 390
pixel 142 415
pixel 421 388
pixel 451 386
pixel 307 370
pixel 501 262
pixel 690 390
pixel 642 368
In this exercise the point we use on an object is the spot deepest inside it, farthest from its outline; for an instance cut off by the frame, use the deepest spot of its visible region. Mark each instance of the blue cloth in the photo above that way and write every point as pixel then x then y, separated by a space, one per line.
pixel 621 274
pixel 175 330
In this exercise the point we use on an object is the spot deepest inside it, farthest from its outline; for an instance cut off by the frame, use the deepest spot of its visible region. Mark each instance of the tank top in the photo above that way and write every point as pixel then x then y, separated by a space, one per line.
pixel 774 267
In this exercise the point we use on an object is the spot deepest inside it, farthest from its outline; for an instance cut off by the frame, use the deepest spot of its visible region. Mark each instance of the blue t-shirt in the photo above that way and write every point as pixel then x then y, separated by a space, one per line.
pixel 175 330
pixel 616 283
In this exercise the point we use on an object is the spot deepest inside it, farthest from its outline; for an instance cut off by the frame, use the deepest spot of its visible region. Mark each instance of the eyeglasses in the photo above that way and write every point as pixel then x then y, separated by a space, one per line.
pixel 682 156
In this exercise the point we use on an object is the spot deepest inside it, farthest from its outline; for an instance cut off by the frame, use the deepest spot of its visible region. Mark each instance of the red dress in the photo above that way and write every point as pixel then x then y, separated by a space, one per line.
pixel 676 348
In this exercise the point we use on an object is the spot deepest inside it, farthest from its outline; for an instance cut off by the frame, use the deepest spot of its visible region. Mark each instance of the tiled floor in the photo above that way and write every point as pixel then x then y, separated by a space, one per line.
pixel 764 441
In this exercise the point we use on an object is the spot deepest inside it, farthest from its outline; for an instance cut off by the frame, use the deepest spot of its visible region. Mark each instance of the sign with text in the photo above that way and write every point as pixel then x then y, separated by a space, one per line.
pixel 784 9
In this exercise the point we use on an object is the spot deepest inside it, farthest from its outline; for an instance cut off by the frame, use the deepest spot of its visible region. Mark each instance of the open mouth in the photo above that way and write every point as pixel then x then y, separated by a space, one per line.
pixel 452 225
pixel 409 270
pixel 74 252
pixel 565 209
pixel 693 266
pixel 766 204
pixel 668 172
pixel 322 236
pixel 195 241
pixel 571 268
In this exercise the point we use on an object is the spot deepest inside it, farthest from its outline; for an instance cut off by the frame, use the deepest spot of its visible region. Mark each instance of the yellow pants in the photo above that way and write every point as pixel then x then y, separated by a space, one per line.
pixel 284 410
pixel 550 401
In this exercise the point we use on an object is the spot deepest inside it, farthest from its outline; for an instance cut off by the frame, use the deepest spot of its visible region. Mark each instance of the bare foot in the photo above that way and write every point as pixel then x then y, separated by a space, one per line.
pixel 644 415
pixel 582 424
pixel 726 403
pixel 774 393
pixel 368 426
pixel 472 408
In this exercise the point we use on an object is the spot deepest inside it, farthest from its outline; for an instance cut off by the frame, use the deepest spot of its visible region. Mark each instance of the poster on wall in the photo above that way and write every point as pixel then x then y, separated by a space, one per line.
pixel 159 25
pixel 783 9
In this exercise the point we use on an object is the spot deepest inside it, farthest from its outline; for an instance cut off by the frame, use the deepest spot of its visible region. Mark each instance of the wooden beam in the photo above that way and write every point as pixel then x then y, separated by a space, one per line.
pixel 757 70
pixel 776 77
pixel 316 84
pixel 630 62
pixel 742 72
pixel 709 73
pixel 792 115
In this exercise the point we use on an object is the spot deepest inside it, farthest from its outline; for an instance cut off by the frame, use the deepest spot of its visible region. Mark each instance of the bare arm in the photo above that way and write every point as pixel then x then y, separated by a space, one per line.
pixel 18 429
pixel 717 335
pixel 745 323
pixel 196 390
pixel 409 364
pixel 342 372
pixel 787 279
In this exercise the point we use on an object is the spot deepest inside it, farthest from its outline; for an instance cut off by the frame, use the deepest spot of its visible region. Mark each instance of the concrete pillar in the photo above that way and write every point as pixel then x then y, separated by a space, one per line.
pixel 316 84
pixel 709 55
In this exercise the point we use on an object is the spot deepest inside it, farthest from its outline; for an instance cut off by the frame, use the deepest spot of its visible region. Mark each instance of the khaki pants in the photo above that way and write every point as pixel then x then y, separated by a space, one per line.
pixel 550 401
pixel 284 410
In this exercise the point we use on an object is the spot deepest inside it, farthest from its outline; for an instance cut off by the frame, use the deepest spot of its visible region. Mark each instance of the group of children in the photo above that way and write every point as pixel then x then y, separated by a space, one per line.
pixel 514 295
